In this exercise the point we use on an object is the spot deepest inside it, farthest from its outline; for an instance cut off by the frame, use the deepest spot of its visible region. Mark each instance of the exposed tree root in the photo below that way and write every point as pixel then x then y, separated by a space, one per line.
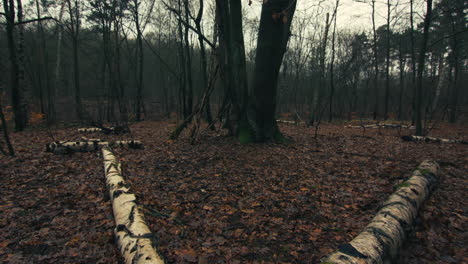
pixel 134 239
pixel 432 139
pixel 66 147
pixel 381 240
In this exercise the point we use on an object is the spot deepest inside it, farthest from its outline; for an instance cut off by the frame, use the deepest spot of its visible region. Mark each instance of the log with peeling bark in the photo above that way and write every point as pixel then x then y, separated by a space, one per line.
pixel 66 147
pixel 134 239
pixel 381 240
pixel 432 139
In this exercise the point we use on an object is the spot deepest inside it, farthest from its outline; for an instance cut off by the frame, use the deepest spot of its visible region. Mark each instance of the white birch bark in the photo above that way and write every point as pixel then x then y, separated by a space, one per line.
pixel 381 240
pixel 134 239
pixel 433 139
pixel 65 147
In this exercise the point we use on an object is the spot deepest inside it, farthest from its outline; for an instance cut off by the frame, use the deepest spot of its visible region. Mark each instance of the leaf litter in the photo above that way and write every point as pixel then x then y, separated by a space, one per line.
pixel 218 201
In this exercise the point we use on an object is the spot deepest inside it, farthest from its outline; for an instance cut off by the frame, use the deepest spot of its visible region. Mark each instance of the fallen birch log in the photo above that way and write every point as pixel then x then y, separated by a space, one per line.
pixel 381 240
pixel 288 122
pixel 89 130
pixel 117 130
pixel 377 126
pixel 432 139
pixel 66 147
pixel 134 239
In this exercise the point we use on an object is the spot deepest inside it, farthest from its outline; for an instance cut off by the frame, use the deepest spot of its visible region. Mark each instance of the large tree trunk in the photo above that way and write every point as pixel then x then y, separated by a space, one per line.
pixel 233 66
pixel 422 58
pixel 134 238
pixel 381 240
pixel 273 36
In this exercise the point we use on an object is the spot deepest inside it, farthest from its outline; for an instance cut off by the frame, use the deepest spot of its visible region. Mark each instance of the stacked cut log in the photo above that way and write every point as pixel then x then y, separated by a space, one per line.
pixel 382 239
pixel 432 139
pixel 66 147
pixel 134 239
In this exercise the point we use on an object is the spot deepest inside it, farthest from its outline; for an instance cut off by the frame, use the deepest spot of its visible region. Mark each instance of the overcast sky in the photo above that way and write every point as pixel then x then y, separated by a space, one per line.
pixel 351 14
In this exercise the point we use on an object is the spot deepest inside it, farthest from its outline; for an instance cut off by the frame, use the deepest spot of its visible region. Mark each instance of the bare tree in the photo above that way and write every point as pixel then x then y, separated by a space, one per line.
pixel 421 61
pixel 74 29
pixel 332 65
pixel 17 93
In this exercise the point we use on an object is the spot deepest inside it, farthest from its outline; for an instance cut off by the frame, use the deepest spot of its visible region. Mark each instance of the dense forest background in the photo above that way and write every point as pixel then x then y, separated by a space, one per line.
pixel 133 59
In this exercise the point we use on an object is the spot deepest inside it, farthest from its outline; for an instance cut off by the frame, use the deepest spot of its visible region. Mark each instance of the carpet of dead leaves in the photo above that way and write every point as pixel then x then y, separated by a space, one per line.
pixel 218 201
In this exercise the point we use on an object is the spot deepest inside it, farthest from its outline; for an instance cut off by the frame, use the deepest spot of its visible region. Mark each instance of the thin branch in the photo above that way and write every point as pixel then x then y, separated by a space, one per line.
pixel 189 26
pixel 35 20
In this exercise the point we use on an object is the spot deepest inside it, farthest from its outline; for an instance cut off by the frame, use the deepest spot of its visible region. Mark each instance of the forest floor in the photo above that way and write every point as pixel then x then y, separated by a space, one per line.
pixel 222 202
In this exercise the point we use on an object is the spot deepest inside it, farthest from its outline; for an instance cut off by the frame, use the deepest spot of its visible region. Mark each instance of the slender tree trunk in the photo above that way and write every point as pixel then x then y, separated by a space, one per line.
pixel 75 30
pixel 45 65
pixel 322 56
pixel 402 78
pixel 188 61
pixel 376 64
pixel 387 68
pixel 273 36
pixel 441 83
pixel 413 61
pixel 204 64
pixel 182 67
pixel 58 59
pixel 454 43
pixel 119 85
pixel 332 66
pixel 422 57
pixel 140 56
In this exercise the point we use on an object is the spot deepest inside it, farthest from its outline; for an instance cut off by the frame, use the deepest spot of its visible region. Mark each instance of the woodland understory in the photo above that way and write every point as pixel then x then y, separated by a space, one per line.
pixel 219 201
